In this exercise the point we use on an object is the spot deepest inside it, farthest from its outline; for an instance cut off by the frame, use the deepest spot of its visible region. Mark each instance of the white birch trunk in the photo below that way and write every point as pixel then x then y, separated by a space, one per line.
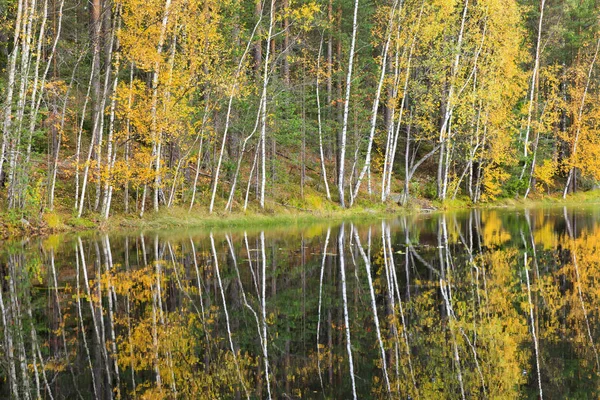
pixel 6 123
pixel 444 131
pixel 534 74
pixel 342 150
pixel 579 118
pixel 227 118
pixel 263 128
pixel 323 169
pixel 384 53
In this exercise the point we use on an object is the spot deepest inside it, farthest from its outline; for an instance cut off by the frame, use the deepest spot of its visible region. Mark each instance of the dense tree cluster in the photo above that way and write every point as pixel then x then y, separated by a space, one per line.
pixel 131 105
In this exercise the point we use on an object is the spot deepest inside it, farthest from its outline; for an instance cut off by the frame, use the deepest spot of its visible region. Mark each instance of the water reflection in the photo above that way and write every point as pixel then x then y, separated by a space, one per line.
pixel 485 304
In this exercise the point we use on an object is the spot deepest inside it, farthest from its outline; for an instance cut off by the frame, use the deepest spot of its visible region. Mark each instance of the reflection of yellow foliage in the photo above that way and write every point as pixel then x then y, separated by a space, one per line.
pixel 507 328
pixel 493 232
pixel 546 236
pixel 172 344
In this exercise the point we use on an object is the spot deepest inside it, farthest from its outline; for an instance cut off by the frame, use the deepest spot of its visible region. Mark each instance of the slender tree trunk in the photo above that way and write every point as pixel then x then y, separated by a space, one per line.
pixel 128 139
pixel 97 112
pixel 59 136
pixel 375 109
pixel 9 90
pixel 263 129
pixel 200 155
pixel 536 67
pixel 110 157
pixel 447 110
pixel 329 80
pixel 258 13
pixel 227 122
pixel 286 41
pixel 15 167
pixel 578 122
pixel 323 169
pixel 156 141
pixel 342 148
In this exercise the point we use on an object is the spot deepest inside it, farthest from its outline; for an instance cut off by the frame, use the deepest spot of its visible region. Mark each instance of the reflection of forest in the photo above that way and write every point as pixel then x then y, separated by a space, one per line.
pixel 494 304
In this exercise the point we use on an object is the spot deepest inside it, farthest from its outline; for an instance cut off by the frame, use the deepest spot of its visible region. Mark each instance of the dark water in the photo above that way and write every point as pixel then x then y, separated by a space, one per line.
pixel 480 304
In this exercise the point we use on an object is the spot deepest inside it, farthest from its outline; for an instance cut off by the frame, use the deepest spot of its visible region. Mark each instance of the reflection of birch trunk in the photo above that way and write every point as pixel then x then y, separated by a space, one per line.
pixel 394 278
pixel 15 311
pixel 264 310
pixel 345 299
pixel 244 298
pixel 79 312
pixel 182 288
pixel 158 272
pixel 155 339
pixel 9 348
pixel 128 317
pixel 579 292
pixel 374 309
pixel 462 331
pixel 233 351
pixel 535 340
pixel 102 342
pixel 447 294
pixel 199 284
pixel 320 302
pixel 254 279
pixel 532 319
pixel 99 337
pixel 36 352
pixel 155 299
pixel 392 305
pixel 111 305
pixel 61 321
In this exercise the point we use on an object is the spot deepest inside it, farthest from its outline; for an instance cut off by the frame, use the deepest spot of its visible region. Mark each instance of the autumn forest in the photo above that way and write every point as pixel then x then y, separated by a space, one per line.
pixel 129 106
pixel 299 199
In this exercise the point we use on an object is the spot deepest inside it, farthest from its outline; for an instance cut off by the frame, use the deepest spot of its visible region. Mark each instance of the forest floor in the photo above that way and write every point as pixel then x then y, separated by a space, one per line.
pixel 15 225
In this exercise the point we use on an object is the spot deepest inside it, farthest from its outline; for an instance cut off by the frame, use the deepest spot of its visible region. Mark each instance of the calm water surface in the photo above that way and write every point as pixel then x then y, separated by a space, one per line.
pixel 478 304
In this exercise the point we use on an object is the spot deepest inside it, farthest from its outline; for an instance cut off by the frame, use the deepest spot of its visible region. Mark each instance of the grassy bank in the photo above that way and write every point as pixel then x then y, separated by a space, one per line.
pixel 576 199
pixel 275 215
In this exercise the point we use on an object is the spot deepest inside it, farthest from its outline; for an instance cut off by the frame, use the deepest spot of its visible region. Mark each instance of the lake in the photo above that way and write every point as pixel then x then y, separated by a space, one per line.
pixel 474 304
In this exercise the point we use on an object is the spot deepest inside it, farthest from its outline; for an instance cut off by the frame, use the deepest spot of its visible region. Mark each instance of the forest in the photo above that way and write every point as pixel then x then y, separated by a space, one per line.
pixel 128 106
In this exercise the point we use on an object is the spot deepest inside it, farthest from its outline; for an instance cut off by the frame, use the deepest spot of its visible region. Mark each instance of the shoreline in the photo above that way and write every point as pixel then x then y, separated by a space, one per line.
pixel 61 222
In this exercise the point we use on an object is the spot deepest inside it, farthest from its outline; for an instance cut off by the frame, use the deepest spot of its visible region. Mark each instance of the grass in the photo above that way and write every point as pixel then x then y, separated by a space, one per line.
pixel 291 212
pixel 274 216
